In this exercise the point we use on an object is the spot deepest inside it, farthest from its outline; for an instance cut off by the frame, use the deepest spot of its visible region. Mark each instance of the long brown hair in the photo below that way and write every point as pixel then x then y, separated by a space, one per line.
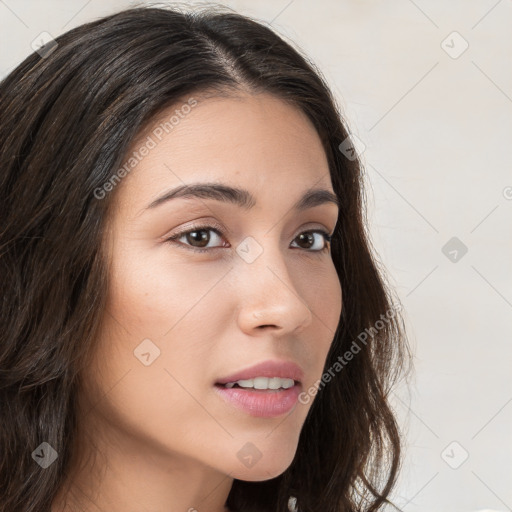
pixel 68 114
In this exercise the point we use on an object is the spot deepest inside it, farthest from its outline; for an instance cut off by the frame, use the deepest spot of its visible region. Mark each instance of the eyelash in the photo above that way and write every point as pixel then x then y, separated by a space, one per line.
pixel 327 237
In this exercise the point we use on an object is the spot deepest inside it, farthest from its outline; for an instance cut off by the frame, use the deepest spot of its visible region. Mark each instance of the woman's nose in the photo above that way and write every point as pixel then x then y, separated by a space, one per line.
pixel 270 297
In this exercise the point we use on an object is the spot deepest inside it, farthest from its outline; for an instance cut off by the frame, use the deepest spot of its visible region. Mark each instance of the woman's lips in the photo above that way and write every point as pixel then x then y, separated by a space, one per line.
pixel 261 403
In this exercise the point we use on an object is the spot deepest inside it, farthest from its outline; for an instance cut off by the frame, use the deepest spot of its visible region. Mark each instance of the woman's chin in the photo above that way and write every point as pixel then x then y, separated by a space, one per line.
pixel 262 470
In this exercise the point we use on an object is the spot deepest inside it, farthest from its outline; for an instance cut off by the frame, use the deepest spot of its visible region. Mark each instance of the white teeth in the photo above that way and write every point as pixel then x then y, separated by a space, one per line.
pixel 263 383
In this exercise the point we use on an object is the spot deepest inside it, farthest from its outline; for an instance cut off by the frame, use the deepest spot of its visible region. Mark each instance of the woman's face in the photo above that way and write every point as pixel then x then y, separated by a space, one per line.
pixel 178 321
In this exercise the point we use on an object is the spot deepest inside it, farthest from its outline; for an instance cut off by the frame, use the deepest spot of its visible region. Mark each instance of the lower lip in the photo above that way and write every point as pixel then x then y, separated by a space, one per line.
pixel 261 403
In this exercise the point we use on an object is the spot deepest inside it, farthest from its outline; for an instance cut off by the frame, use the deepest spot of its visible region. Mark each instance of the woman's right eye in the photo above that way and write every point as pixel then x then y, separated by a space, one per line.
pixel 198 232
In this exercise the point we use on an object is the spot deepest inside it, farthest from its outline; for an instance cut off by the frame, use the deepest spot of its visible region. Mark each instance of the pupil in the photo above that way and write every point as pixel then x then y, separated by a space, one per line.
pixel 203 238
pixel 307 235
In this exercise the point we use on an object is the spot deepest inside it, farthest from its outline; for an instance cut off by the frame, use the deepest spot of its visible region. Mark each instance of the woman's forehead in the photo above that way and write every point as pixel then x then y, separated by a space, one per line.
pixel 254 143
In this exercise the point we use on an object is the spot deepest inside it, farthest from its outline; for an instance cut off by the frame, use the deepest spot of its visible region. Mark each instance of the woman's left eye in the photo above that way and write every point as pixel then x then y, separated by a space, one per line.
pixel 197 235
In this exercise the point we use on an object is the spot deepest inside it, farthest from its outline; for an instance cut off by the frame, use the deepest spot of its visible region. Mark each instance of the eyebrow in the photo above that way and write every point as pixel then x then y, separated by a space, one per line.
pixel 241 197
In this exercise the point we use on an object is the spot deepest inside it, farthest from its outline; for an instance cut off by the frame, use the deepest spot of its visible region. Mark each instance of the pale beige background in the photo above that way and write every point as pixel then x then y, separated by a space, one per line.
pixel 438 132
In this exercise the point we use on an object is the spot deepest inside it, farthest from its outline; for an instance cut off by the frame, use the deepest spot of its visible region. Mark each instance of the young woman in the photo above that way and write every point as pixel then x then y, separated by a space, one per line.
pixel 192 316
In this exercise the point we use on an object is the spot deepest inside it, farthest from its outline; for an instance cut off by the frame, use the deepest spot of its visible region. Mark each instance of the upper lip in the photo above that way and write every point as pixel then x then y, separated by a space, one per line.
pixel 271 368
